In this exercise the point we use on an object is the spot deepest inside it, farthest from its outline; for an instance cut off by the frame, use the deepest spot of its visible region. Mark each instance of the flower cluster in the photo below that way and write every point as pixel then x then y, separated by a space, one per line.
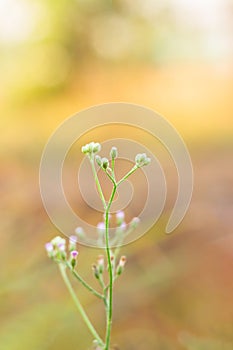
pixel 57 250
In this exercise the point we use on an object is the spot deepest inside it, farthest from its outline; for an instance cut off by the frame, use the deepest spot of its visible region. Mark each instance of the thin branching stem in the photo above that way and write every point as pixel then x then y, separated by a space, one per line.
pixel 85 284
pixel 62 268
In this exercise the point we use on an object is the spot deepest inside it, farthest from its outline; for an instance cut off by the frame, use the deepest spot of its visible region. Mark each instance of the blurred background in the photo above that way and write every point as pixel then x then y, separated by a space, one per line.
pixel 174 56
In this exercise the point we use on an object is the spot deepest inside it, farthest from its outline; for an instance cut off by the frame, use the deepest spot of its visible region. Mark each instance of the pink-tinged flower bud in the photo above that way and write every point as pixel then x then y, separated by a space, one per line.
pixel 72 242
pixel 74 254
pixel 134 222
pixel 79 232
pixel 101 228
pixel 73 258
pixel 121 229
pixel 121 265
pixel 49 249
pixel 120 216
pixel 100 263
pixel 61 247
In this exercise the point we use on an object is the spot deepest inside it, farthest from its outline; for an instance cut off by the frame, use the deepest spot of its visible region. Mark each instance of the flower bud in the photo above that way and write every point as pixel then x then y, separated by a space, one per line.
pixel 96 271
pixel 101 228
pixel 72 242
pixel 120 215
pixel 121 229
pixel 121 265
pixel 61 251
pixel 100 263
pixel 96 147
pixel 79 232
pixel 112 259
pixel 98 160
pixel 134 222
pixel 73 258
pixel 113 153
pixel 105 163
pixel 58 241
pixel 49 249
pixel 141 159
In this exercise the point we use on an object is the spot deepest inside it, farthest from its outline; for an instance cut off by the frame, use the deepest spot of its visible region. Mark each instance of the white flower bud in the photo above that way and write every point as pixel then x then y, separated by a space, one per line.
pixel 105 163
pixel 98 160
pixel 91 148
pixel 134 222
pixel 113 153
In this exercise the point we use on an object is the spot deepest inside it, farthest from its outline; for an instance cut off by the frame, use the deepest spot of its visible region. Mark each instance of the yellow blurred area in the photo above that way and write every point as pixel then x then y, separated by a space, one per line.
pixel 196 98
pixel 175 57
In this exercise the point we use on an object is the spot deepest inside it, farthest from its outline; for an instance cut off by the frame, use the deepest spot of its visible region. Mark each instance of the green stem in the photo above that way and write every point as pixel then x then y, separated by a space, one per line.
pixel 127 175
pixel 110 177
pixel 85 284
pixel 97 182
pixel 62 268
pixel 113 168
pixel 110 289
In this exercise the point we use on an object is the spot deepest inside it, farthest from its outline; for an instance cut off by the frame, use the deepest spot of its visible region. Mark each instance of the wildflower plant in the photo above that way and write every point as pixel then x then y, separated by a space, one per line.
pixel 66 255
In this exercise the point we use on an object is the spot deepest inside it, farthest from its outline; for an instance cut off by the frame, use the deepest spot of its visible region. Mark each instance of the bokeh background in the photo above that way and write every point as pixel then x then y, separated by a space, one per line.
pixel 174 56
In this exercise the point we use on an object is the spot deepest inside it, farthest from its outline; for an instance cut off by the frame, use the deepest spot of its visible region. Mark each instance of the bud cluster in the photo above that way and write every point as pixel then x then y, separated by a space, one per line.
pixel 91 148
pixel 141 159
